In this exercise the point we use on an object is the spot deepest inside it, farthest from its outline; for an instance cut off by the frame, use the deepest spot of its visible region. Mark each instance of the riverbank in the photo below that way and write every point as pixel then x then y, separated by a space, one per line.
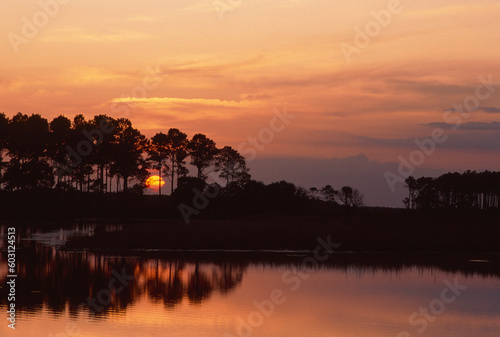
pixel 367 230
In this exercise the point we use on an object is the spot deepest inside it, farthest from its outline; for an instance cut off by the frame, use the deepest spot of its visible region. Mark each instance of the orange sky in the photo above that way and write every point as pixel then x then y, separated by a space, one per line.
pixel 224 73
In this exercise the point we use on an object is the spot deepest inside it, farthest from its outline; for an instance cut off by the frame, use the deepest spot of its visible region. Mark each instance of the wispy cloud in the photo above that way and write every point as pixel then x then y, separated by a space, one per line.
pixel 213 102
pixel 474 140
pixel 189 109
pixel 468 126
pixel 207 66
pixel 83 35
pixel 81 75
pixel 445 11
pixel 490 110
pixel 142 18
pixel 201 6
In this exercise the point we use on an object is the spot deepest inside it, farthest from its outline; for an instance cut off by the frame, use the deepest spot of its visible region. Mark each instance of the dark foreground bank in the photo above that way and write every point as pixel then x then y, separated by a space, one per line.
pixel 369 230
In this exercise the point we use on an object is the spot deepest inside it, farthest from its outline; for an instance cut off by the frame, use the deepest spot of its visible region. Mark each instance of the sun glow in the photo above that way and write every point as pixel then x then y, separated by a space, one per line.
pixel 154 182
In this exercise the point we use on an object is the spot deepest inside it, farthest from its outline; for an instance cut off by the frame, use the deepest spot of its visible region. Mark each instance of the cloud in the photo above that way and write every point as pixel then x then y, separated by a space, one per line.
pixel 252 97
pixel 191 109
pixel 490 110
pixel 445 11
pixel 467 126
pixel 172 101
pixel 81 75
pixel 202 6
pixel 430 87
pixel 389 142
pixel 142 18
pixel 334 114
pixel 228 5
pixel 473 140
pixel 207 67
pixel 79 34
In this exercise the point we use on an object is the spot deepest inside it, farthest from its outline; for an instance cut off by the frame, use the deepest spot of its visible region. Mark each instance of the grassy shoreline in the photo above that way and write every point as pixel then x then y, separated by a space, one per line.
pixel 368 230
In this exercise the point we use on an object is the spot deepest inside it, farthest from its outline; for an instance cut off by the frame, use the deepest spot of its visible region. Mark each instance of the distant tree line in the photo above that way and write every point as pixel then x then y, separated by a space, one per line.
pixel 103 156
pixel 346 196
pixel 469 190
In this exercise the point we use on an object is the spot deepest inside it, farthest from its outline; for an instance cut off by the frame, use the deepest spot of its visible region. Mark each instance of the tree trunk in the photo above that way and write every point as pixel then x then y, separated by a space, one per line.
pixel 172 177
pixel 125 183
pixel 1 165
pixel 199 172
pixel 159 181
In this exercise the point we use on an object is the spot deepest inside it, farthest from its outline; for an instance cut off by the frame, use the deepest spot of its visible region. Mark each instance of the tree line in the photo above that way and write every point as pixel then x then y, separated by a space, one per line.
pixel 469 190
pixel 102 155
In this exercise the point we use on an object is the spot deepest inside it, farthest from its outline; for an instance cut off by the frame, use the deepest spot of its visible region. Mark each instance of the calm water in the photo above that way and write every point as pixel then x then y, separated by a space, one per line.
pixel 167 294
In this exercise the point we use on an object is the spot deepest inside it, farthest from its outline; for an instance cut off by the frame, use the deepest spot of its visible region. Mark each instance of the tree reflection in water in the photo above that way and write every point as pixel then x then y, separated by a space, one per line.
pixel 60 280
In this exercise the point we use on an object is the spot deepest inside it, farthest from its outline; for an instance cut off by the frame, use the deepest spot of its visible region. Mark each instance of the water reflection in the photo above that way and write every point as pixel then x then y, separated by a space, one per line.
pixel 188 293
pixel 57 279
pixel 61 279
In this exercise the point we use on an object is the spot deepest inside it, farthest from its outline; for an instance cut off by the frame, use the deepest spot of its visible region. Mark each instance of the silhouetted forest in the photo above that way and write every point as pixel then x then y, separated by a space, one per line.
pixel 471 189
pixel 99 167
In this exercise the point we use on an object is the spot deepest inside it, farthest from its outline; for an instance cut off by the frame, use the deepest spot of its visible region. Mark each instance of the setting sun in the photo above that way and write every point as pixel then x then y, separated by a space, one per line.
pixel 154 181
